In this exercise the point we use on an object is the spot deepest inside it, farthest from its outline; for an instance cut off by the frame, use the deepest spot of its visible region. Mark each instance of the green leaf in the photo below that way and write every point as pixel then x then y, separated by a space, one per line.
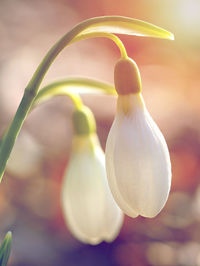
pixel 5 249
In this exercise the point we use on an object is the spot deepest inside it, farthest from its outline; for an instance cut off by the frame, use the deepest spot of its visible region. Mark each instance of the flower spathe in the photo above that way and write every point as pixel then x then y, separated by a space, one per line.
pixel 137 159
pixel 90 211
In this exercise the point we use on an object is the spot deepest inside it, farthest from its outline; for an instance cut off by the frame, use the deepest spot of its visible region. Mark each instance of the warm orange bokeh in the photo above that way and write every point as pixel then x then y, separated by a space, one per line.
pixel 30 197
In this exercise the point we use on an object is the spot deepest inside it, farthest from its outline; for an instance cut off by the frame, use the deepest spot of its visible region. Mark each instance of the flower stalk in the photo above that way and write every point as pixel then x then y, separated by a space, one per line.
pixel 94 27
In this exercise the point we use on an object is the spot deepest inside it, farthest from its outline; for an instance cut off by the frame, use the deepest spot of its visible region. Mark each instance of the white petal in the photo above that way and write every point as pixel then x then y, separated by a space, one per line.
pixel 139 157
pixel 110 146
pixel 90 211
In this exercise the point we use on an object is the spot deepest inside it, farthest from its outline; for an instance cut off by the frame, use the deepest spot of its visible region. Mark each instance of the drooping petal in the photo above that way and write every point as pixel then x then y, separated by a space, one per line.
pixel 110 147
pixel 140 161
pixel 90 211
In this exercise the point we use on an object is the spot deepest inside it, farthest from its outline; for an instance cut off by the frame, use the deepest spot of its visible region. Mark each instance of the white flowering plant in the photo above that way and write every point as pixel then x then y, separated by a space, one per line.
pixel 134 175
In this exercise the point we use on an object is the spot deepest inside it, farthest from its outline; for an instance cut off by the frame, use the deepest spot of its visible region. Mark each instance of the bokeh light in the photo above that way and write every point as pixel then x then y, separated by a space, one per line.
pixel 30 206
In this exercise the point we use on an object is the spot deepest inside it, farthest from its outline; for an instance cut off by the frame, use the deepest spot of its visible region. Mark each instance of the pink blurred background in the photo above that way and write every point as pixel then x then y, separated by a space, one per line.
pixel 30 192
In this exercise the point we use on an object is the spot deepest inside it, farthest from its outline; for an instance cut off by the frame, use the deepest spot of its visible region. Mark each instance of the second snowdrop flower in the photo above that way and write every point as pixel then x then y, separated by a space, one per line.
pixel 89 208
pixel 137 158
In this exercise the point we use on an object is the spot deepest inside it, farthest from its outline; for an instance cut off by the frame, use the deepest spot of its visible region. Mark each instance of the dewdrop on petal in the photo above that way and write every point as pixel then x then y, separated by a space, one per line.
pixel 89 209
pixel 137 158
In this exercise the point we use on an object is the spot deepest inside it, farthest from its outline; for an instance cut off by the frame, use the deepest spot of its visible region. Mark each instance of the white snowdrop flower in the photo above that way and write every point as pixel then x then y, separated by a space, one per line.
pixel 137 158
pixel 90 211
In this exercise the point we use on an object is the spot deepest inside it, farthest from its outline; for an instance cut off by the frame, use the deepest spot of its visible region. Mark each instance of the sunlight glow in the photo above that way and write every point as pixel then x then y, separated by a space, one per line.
pixel 190 11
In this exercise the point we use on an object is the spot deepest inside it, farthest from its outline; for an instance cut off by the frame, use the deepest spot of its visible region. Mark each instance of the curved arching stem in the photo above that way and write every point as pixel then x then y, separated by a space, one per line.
pixel 71 37
pixel 32 88
pixel 110 36
pixel 74 86
pixel 92 27
pixel 56 89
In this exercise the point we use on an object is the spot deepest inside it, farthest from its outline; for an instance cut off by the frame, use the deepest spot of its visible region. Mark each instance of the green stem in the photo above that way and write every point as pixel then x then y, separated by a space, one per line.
pixel 76 85
pixel 55 89
pixel 110 36
pixel 10 136
pixel 62 43
pixel 33 87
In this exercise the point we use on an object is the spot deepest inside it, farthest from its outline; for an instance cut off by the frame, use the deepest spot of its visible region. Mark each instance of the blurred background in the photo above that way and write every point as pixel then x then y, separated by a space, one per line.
pixel 30 192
